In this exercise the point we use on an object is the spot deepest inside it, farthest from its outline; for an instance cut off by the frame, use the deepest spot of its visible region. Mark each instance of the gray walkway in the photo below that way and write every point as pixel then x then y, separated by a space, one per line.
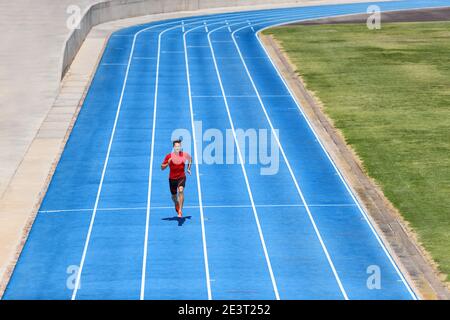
pixel 32 38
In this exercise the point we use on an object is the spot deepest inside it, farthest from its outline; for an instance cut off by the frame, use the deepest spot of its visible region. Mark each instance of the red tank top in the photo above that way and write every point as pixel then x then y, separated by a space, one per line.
pixel 177 164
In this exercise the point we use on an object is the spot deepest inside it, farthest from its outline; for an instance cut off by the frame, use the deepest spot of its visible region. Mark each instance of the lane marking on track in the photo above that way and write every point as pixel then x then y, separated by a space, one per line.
pixel 228 26
pixel 408 287
pixel 197 170
pixel 144 264
pixel 144 260
pixel 88 236
pixel 255 213
pixel 243 168
pixel 105 164
pixel 205 206
pixel 145 253
pixel 244 96
pixel 364 214
pixel 113 64
pixel 150 175
pixel 294 179
pixel 222 58
pixel 329 157
pixel 250 25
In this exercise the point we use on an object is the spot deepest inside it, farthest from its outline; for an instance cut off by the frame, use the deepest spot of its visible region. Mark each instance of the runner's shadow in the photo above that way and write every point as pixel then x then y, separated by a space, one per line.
pixel 180 220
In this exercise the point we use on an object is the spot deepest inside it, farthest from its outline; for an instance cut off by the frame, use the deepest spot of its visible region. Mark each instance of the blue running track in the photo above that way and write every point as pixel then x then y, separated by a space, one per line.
pixel 107 228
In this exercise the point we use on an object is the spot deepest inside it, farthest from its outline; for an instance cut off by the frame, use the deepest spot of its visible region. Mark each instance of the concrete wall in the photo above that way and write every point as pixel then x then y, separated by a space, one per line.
pixel 120 9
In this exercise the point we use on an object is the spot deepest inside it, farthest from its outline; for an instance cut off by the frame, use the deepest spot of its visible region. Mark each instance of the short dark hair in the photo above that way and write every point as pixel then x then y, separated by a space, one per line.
pixel 176 141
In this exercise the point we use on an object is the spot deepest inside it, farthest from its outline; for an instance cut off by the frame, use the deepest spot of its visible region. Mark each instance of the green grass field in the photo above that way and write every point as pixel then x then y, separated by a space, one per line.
pixel 388 91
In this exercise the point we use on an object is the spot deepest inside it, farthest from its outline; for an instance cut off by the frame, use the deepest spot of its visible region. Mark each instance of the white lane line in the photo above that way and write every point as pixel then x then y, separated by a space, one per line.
pixel 119 105
pixel 145 254
pixel 88 236
pixel 87 241
pixel 105 165
pixel 145 58
pixel 217 96
pixel 276 95
pixel 294 179
pixel 150 175
pixel 197 171
pixel 228 26
pixel 113 64
pixel 337 170
pixel 182 26
pixel 206 26
pixel 255 213
pixel 217 71
pixel 243 168
pixel 223 58
pixel 364 214
pixel 351 192
pixel 280 205
pixel 206 206
pixel 250 25
pixel 233 58
pixel 94 213
pixel 144 263
pixel 244 96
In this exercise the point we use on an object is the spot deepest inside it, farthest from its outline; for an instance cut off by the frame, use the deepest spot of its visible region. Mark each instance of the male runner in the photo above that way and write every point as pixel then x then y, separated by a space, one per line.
pixel 177 178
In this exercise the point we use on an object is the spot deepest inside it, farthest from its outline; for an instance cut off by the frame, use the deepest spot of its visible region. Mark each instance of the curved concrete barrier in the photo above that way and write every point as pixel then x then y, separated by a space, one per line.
pixel 120 9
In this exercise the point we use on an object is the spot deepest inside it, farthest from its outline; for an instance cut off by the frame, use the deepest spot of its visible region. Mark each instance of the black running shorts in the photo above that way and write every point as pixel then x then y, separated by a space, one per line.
pixel 175 183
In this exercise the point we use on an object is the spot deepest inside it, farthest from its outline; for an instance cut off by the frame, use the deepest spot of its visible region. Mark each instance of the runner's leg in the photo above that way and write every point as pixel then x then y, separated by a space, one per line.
pixel 181 198
pixel 174 199
pixel 173 191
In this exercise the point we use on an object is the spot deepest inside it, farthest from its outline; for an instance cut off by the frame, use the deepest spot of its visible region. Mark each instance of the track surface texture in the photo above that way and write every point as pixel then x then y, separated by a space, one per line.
pixel 106 228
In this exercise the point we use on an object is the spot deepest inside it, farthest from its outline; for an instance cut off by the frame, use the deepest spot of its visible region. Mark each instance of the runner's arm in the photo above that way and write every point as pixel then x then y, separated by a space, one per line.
pixel 189 165
pixel 166 162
